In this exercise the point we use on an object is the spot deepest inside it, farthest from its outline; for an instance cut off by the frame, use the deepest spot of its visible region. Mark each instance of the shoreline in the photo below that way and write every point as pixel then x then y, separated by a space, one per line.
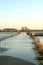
pixel 8 60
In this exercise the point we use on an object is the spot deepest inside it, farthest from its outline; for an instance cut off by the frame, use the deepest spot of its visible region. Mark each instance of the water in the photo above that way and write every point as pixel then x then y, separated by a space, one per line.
pixel 41 39
pixel 3 34
pixel 19 46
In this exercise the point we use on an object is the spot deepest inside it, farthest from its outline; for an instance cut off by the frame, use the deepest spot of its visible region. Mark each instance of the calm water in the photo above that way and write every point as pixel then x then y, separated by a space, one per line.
pixel 41 39
pixel 19 46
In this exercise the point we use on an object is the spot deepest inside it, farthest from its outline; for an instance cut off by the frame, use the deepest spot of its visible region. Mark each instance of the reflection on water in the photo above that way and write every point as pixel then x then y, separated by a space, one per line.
pixel 21 47
pixel 3 50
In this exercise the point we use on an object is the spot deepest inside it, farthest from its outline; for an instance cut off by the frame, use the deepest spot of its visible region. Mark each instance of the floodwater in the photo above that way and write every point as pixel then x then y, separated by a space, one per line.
pixel 19 46
pixel 41 39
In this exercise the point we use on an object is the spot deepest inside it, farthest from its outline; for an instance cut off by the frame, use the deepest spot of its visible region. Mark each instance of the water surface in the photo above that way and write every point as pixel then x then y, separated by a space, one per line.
pixel 19 46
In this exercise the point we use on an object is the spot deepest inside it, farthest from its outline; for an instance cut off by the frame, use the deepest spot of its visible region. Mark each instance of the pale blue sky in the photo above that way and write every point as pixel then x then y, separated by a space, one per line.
pixel 17 13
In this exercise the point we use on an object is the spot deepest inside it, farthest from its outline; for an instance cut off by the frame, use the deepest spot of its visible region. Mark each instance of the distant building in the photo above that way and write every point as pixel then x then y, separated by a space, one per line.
pixel 10 30
pixel 24 29
pixel 0 30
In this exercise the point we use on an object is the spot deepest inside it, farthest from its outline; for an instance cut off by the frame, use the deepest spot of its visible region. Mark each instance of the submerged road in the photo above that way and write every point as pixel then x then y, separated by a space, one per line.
pixel 19 46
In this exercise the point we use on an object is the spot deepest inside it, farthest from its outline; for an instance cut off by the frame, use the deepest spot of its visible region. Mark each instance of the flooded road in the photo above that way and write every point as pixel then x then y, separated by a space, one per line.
pixel 19 46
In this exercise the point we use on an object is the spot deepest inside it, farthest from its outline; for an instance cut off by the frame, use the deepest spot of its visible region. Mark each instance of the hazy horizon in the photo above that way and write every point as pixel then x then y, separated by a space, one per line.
pixel 18 13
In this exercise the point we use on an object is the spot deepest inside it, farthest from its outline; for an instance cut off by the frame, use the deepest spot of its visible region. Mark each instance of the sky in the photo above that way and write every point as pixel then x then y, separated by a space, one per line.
pixel 18 13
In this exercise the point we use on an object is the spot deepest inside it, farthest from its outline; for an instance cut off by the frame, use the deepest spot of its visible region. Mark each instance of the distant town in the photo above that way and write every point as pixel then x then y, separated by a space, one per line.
pixel 23 29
